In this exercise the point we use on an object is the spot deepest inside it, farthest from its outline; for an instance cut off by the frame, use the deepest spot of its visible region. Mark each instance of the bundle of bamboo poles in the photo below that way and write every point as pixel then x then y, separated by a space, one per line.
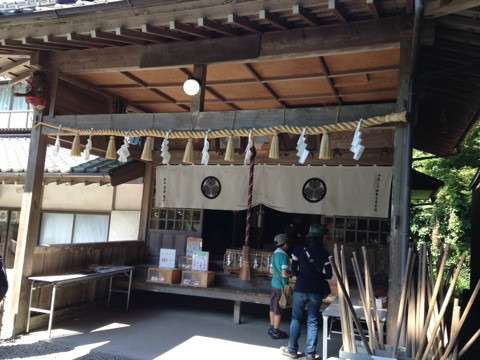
pixel 423 328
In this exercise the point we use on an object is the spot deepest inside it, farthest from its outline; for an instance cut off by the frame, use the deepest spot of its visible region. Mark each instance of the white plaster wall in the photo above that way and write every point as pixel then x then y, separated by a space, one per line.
pixel 11 196
pixel 77 197
pixel 128 197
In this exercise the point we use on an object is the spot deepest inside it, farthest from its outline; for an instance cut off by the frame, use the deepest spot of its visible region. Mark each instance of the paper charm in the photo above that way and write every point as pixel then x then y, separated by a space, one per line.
pixel 123 152
pixel 88 148
pixel 205 154
pixel 357 148
pixel 57 141
pixel 302 152
pixel 248 150
pixel 164 152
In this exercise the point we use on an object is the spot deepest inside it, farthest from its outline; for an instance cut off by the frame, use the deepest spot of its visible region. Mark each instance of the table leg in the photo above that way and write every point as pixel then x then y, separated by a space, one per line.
pixel 129 290
pixel 30 306
pixel 237 312
pixel 324 338
pixel 52 308
pixel 109 290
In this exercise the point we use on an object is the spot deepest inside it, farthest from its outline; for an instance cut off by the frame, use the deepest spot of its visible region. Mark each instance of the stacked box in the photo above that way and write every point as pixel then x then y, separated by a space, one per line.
pixel 202 279
pixel 164 276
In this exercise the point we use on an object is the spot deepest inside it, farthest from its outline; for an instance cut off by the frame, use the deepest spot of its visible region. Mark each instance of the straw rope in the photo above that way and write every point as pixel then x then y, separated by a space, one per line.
pixel 223 133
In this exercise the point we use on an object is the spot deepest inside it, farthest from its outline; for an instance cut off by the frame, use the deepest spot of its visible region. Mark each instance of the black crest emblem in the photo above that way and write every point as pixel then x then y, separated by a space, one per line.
pixel 314 190
pixel 211 187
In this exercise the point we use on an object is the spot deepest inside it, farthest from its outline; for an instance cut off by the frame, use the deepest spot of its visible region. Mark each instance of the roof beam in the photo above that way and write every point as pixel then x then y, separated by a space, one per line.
pixel 13 65
pixel 214 26
pixel 243 23
pixel 305 14
pixel 57 40
pixel 88 41
pixel 189 30
pixel 17 44
pixel 22 77
pixel 266 86
pixel 296 43
pixel 113 38
pixel 214 120
pixel 372 7
pixel 137 35
pixel 163 33
pixel 438 8
pixel 326 71
pixel 333 7
pixel 273 19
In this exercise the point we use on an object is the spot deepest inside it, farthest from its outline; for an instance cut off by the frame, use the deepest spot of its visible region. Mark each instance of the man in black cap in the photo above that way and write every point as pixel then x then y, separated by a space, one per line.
pixel 312 268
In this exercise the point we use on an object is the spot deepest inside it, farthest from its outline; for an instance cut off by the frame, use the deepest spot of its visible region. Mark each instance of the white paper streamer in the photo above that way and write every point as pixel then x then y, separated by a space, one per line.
pixel 248 150
pixel 123 152
pixel 57 141
pixel 205 154
pixel 164 151
pixel 357 148
pixel 302 152
pixel 88 148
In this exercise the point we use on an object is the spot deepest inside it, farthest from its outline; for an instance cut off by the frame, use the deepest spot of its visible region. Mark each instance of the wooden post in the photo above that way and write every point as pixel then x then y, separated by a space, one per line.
pixel 148 181
pixel 198 101
pixel 400 206
pixel 16 302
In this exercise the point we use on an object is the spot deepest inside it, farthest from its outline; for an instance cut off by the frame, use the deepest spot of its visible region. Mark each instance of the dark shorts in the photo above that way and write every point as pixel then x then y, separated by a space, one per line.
pixel 275 296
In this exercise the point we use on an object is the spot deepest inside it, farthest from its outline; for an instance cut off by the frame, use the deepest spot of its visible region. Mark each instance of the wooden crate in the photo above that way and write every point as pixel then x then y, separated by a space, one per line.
pixel 164 276
pixel 202 279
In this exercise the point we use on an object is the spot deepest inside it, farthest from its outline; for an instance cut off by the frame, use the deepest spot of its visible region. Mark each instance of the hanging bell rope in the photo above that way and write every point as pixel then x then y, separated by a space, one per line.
pixel 111 153
pixel 394 118
pixel 76 148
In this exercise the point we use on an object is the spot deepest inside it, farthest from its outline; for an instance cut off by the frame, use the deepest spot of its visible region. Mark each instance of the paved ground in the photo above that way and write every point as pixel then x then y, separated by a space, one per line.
pixel 161 327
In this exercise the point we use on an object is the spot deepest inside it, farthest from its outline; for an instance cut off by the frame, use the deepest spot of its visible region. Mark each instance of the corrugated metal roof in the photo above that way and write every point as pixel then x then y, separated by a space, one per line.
pixel 14 157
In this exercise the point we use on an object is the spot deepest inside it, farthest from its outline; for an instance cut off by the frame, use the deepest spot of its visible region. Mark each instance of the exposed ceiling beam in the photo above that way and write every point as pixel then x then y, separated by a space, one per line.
pixel 17 44
pixel 113 38
pixel 163 33
pixel 189 30
pixel 13 65
pixel 266 86
pixel 137 35
pixel 331 85
pixel 296 43
pixel 43 45
pixel 22 77
pixel 57 40
pixel 243 23
pixel 273 19
pixel 437 8
pixel 334 9
pixel 88 41
pixel 372 7
pixel 214 120
pixel 305 14
pixel 215 26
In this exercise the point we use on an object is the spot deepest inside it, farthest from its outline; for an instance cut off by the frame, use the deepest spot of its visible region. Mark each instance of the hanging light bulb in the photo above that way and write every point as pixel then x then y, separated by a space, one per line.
pixel 302 151
pixel 191 87
pixel 274 152
pixel 123 152
pixel 325 150
pixel 205 154
pixel 188 154
pixel 76 149
pixel 230 150
pixel 111 153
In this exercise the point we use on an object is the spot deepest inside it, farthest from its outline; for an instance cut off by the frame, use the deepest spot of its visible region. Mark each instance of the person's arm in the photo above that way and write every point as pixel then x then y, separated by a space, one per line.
pixel 285 267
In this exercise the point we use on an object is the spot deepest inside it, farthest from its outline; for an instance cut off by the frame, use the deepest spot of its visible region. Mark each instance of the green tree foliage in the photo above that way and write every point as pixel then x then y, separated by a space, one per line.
pixel 447 221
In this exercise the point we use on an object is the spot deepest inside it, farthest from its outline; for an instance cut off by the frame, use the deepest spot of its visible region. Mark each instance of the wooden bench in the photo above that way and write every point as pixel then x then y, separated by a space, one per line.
pixel 238 296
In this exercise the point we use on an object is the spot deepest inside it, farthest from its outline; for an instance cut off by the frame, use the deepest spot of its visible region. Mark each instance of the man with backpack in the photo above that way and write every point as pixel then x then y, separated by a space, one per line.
pixel 312 269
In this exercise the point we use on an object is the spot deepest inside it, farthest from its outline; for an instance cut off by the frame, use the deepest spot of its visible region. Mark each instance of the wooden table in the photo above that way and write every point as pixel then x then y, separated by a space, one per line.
pixel 56 281
pixel 333 310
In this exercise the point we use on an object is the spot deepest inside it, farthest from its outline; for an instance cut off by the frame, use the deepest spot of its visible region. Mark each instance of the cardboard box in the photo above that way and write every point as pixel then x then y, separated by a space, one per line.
pixel 202 279
pixel 164 276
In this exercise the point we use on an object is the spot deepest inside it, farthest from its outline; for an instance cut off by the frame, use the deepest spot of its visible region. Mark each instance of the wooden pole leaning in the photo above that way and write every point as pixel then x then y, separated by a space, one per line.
pixel 350 305
pixel 346 340
pixel 441 314
pixel 373 305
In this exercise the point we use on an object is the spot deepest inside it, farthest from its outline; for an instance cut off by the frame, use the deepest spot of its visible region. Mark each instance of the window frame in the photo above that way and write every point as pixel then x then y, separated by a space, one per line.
pixel 75 213
pixel 365 233
pixel 156 219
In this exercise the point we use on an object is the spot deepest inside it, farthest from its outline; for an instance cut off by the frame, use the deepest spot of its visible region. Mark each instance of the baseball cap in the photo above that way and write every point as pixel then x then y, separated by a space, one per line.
pixel 280 239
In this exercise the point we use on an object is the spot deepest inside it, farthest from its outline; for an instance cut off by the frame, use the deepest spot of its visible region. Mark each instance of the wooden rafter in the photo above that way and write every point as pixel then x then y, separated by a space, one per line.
pixel 189 30
pixel 57 40
pixel 334 9
pixel 265 85
pixel 326 71
pixel 88 41
pixel 305 14
pixel 45 46
pixel 372 7
pixel 437 8
pixel 276 79
pixel 215 26
pixel 22 77
pixel 137 35
pixel 273 19
pixel 243 23
pixel 163 33
pixel 157 92
pixel 113 38
pixel 13 65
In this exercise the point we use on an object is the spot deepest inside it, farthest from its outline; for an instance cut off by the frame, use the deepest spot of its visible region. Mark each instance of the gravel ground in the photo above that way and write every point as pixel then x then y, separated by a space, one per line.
pixel 28 348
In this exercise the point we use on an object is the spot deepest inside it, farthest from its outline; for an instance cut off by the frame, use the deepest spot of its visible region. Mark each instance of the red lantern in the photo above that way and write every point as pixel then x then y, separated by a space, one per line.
pixel 36 94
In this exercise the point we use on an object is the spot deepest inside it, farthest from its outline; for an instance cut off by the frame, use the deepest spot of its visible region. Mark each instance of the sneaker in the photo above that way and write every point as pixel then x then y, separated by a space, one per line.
pixel 270 331
pixel 282 334
pixel 311 357
pixel 287 353
pixel 277 334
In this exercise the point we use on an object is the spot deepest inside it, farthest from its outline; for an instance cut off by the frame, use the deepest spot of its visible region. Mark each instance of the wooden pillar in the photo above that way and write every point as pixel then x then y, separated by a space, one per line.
pixel 16 301
pixel 148 185
pixel 198 101
pixel 400 206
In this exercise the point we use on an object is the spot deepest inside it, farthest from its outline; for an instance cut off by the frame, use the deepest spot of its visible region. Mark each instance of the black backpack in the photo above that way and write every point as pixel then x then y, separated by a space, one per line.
pixel 3 280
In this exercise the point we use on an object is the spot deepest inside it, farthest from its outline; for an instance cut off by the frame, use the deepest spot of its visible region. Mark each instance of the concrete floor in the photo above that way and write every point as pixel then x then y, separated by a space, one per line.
pixel 167 327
